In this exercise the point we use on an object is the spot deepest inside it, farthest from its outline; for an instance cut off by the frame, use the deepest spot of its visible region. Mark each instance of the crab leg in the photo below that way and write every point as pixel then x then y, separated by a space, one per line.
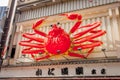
pixel 88 25
pixel 35 45
pixel 94 32
pixel 30 36
pixel 77 24
pixel 94 43
pixel 40 58
pixel 89 52
pixel 36 26
pixel 74 17
pixel 27 40
pixel 29 51
pixel 85 46
pixel 75 27
pixel 90 37
pixel 76 55
pixel 87 30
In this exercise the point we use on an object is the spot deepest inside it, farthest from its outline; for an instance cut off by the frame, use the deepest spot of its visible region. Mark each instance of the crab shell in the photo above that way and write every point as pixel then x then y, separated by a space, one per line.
pixel 58 41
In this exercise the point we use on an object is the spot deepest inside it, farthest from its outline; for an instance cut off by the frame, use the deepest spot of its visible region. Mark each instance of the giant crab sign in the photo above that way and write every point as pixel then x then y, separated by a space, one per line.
pixel 57 41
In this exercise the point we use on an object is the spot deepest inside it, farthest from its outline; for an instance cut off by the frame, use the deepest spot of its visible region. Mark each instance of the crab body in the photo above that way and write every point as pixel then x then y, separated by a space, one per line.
pixel 56 38
pixel 57 41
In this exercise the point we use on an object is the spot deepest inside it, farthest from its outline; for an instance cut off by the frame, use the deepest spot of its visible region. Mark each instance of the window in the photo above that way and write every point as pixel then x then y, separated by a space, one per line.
pixel 12 53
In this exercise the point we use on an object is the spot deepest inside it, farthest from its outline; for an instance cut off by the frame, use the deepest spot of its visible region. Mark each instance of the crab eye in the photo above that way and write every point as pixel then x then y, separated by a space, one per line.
pixel 58 23
pixel 79 49
pixel 58 51
pixel 50 25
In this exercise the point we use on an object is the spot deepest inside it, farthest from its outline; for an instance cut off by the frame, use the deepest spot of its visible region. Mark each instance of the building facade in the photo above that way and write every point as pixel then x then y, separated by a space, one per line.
pixel 103 62
pixel 2 11
pixel 2 18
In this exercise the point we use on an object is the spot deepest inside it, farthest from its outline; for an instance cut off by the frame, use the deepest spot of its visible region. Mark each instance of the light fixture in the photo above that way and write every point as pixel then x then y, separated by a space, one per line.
pixel 103 50
pixel 80 49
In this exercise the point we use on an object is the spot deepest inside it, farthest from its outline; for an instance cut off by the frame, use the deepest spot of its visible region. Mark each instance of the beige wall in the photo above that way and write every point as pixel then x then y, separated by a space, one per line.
pixel 112 69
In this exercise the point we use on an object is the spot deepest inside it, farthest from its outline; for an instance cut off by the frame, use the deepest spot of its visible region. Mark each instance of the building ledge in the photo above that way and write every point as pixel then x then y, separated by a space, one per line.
pixel 65 62
pixel 35 4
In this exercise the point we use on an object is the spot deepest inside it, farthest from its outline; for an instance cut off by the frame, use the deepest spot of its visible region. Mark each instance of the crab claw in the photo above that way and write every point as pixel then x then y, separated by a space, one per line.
pixel 73 16
pixel 37 25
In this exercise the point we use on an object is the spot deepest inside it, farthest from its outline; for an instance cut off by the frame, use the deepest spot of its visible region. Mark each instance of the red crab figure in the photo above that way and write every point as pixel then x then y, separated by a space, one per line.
pixel 57 41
